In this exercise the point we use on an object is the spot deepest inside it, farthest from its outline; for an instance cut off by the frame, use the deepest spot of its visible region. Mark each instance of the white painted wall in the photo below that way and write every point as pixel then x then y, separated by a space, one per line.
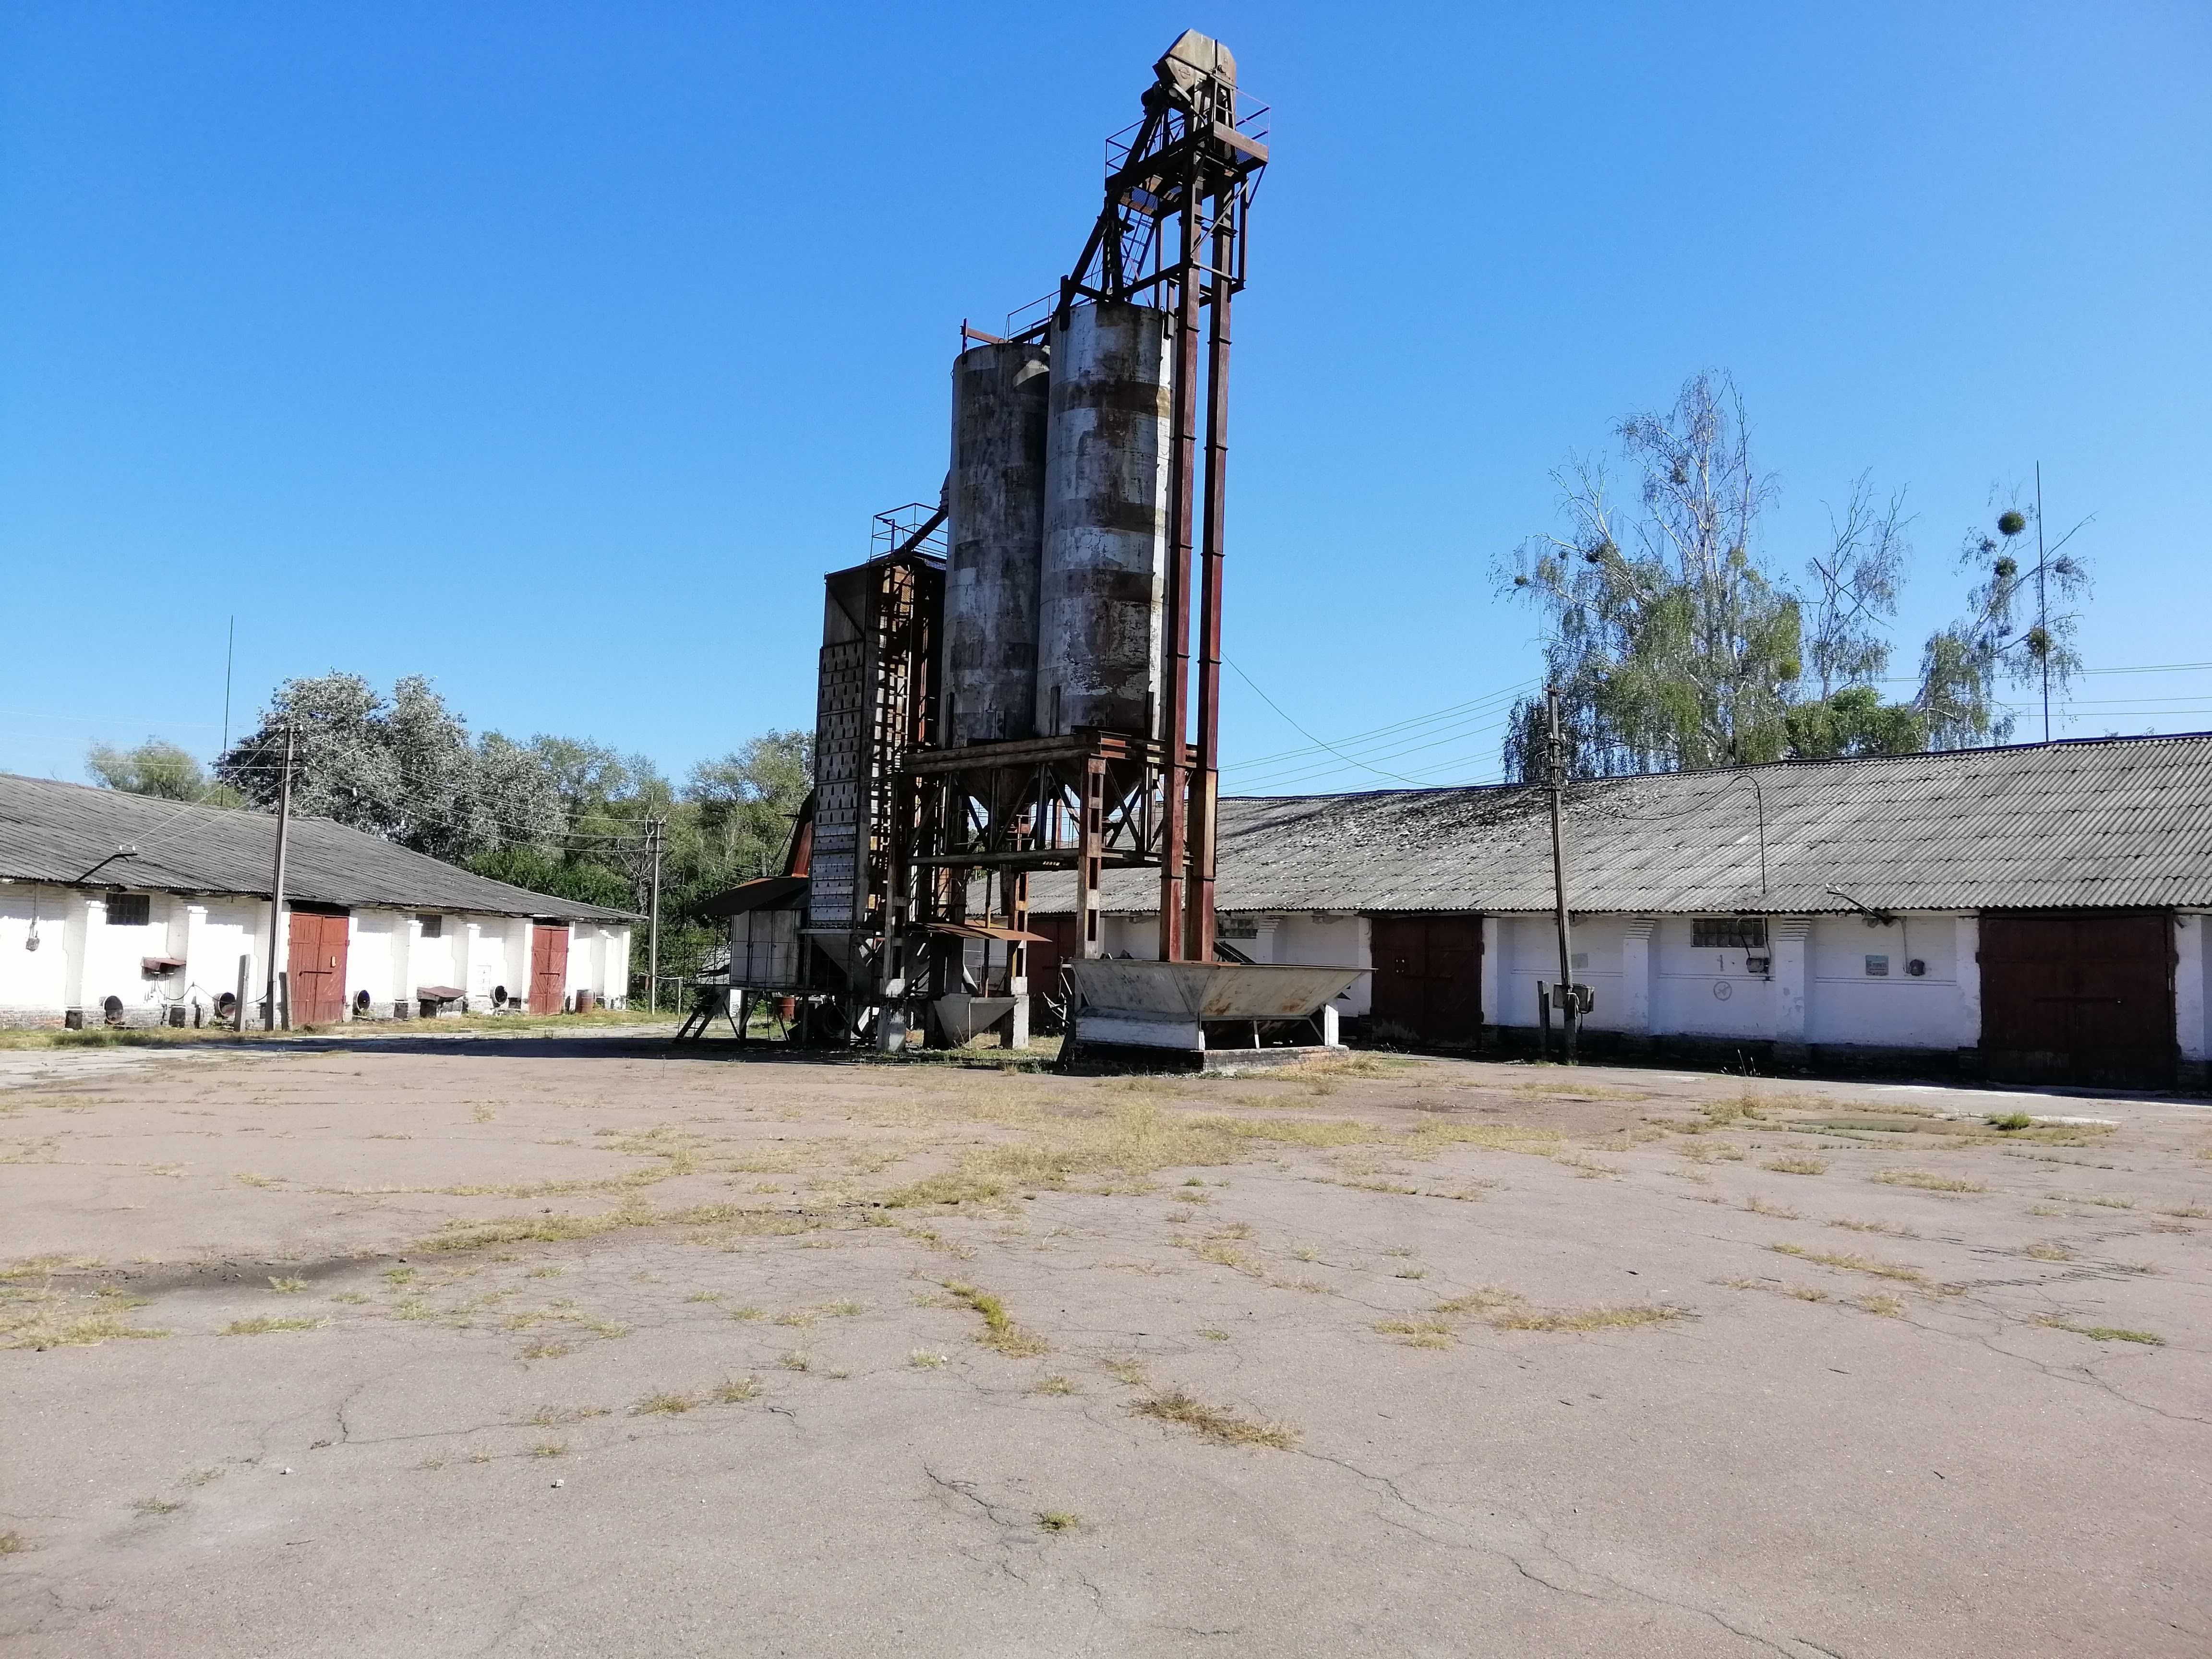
pixel 1846 1004
pixel 2192 998
pixel 599 961
pixel 1528 955
pixel 32 981
pixel 1648 977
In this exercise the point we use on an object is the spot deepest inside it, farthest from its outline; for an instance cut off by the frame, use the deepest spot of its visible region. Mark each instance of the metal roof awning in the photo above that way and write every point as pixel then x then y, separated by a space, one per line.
pixel 985 930
pixel 768 893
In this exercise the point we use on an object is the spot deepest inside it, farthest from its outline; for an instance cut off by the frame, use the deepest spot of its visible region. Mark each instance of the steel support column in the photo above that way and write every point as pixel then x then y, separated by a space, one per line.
pixel 1182 501
pixel 1089 861
pixel 1198 929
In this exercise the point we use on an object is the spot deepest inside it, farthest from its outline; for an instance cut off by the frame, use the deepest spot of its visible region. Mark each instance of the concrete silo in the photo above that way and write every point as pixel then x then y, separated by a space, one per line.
pixel 1103 586
pixel 995 543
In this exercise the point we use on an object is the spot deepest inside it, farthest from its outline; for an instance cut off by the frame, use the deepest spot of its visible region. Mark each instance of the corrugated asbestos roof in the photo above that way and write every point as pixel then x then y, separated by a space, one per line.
pixel 2101 822
pixel 56 832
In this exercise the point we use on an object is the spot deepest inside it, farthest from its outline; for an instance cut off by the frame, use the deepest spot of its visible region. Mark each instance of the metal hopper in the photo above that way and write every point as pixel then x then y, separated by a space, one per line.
pixel 1204 1006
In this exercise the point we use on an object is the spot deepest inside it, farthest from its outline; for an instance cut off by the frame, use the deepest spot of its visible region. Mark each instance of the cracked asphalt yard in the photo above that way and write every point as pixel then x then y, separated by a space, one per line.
pixel 574 1346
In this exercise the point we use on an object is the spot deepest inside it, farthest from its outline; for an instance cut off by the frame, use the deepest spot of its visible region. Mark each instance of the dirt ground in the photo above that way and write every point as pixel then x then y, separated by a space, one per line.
pixel 577 1346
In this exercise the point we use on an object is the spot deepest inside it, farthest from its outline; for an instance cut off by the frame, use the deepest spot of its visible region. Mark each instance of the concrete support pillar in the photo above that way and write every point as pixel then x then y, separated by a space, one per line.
pixel 404 935
pixel 201 982
pixel 1969 943
pixel 471 955
pixel 1493 970
pixel 2189 1000
pixel 1635 1012
pixel 80 936
pixel 1788 943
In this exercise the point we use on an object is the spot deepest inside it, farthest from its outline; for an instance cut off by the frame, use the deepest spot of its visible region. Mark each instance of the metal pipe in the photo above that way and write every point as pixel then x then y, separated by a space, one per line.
pixel 1175 837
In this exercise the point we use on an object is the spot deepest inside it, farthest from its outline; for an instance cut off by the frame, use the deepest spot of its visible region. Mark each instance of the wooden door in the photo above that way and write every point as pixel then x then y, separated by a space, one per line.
pixel 2080 998
pixel 548 966
pixel 316 967
pixel 1428 975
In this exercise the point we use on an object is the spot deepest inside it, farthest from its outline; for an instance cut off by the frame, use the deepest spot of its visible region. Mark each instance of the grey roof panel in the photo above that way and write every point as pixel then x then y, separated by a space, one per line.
pixel 2099 822
pixel 56 832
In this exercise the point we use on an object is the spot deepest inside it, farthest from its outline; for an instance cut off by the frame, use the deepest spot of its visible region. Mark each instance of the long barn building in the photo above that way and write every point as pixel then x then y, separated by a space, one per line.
pixel 2034 913
pixel 126 910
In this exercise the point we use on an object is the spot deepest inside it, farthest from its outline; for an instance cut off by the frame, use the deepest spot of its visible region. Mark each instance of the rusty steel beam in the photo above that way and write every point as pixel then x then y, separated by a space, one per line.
pixel 1176 650
pixel 1204 783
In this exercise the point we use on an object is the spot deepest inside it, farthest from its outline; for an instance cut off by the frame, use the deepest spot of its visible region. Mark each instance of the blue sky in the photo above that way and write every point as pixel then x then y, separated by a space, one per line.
pixel 555 352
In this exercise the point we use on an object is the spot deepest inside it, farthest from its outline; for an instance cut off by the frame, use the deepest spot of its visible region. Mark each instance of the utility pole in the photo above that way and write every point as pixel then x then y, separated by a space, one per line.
pixel 1571 1014
pixel 653 829
pixel 277 883
pixel 229 654
pixel 2042 606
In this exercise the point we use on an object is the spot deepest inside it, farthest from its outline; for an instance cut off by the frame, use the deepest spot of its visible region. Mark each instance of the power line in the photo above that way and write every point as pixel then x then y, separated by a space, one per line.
pixel 1309 736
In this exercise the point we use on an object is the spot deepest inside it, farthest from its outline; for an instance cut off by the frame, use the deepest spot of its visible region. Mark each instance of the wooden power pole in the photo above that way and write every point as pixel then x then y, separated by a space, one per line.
pixel 653 831
pixel 1567 993
pixel 277 881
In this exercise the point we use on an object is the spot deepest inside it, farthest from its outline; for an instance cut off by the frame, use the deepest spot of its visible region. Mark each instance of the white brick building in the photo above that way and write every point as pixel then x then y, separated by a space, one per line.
pixel 121 908
pixel 2036 913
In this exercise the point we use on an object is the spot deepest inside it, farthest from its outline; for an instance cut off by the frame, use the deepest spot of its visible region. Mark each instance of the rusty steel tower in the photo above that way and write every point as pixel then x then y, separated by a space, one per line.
pixel 1016 695
pixel 1171 237
pixel 1082 506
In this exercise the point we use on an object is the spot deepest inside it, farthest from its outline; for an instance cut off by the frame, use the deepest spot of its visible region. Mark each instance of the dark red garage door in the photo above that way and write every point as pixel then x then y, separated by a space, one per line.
pixel 1428 975
pixel 317 965
pixel 2079 998
pixel 548 967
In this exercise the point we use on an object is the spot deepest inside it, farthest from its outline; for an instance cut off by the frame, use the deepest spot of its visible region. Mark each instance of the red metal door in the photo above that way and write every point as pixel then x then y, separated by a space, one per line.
pixel 316 967
pixel 548 967
pixel 1428 975
pixel 1059 944
pixel 2082 998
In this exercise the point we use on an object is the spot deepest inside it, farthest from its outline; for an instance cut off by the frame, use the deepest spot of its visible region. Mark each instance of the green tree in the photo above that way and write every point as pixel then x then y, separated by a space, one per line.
pixel 2020 629
pixel 158 767
pixel 748 800
pixel 1673 646
pixel 406 767
pixel 1854 722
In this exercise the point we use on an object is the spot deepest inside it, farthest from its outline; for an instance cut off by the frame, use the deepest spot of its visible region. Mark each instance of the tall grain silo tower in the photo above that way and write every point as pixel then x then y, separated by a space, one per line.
pixel 1102 591
pixel 995 497
pixel 1086 537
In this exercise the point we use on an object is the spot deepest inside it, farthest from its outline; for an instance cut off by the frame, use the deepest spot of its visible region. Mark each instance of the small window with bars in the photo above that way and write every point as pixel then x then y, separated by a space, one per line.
pixel 1729 932
pixel 129 909
pixel 433 926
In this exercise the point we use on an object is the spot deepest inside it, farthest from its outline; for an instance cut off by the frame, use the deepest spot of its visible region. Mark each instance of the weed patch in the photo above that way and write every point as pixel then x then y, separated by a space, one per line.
pixel 1852 1263
pixel 1929 1182
pixel 2106 1333
pixel 1214 1422
pixel 1509 1310
pixel 43 1321
pixel 999 1331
